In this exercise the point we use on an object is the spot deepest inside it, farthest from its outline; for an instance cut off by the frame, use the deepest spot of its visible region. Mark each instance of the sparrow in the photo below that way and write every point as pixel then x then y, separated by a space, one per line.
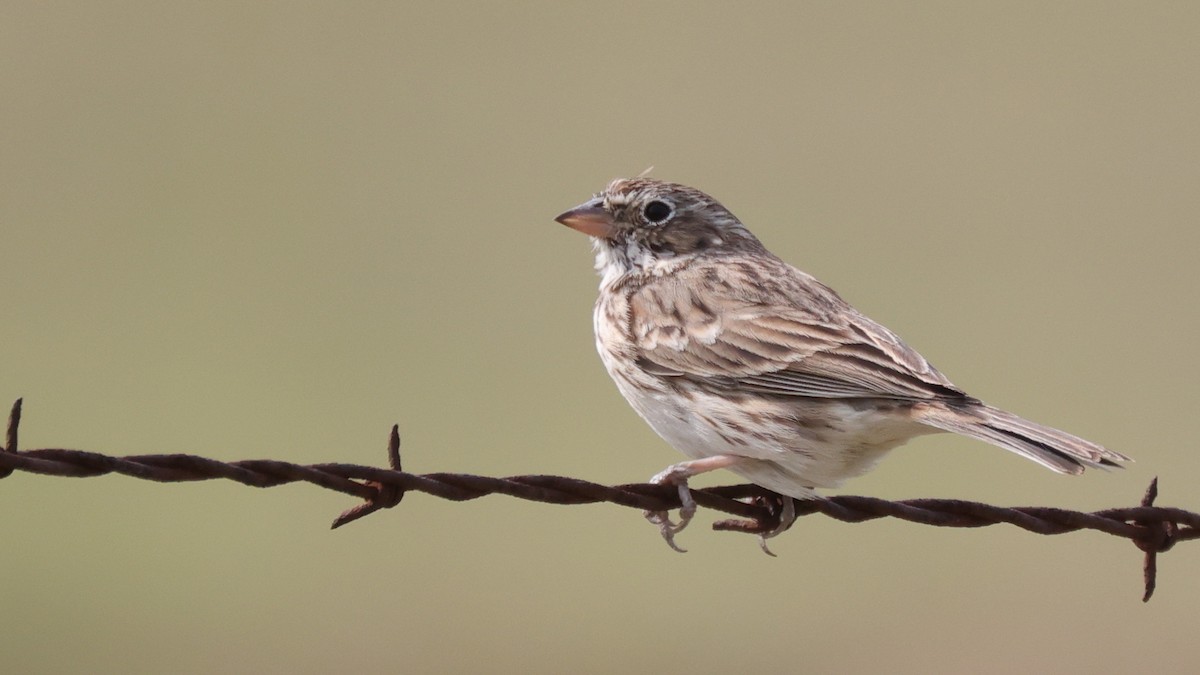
pixel 743 362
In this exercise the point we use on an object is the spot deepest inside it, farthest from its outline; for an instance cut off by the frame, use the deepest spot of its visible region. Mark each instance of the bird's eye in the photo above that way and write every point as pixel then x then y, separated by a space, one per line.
pixel 656 211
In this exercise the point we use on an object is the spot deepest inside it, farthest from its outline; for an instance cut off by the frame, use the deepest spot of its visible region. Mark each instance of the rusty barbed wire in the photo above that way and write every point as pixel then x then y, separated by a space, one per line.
pixel 1152 529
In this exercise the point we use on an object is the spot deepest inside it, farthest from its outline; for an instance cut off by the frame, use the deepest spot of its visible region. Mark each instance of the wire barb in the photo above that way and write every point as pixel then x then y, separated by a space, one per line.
pixel 1160 536
pixel 10 437
pixel 1152 529
pixel 386 495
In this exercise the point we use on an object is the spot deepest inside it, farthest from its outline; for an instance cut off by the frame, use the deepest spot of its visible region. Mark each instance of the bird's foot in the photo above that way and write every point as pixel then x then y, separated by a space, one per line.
pixel 667 528
pixel 677 475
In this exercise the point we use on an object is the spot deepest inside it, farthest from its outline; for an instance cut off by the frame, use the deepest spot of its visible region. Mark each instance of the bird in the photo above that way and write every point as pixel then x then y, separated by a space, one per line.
pixel 743 362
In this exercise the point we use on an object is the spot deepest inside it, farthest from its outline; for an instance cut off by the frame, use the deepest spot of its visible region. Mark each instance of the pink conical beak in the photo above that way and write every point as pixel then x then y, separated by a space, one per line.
pixel 589 218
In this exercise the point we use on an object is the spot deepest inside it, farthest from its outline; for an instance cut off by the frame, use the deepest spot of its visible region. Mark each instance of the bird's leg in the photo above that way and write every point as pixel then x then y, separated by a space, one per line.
pixel 786 518
pixel 677 475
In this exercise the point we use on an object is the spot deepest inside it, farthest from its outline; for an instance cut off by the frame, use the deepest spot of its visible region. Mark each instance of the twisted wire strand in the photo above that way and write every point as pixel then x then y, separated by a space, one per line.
pixel 1153 529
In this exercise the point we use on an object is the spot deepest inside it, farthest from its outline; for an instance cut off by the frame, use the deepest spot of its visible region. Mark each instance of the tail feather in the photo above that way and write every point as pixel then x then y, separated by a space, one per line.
pixel 1053 449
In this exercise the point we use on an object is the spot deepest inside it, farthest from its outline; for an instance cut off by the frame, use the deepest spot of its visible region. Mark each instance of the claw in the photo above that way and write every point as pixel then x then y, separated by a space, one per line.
pixel 666 528
pixel 786 518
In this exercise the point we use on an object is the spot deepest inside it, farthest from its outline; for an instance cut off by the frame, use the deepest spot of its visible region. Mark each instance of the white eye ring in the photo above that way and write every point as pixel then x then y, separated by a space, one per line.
pixel 658 211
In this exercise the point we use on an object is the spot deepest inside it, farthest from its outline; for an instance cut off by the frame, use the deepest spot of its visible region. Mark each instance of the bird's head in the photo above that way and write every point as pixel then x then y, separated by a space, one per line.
pixel 639 223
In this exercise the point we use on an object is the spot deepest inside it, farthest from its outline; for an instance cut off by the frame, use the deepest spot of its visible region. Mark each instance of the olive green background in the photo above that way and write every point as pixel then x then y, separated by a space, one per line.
pixel 274 229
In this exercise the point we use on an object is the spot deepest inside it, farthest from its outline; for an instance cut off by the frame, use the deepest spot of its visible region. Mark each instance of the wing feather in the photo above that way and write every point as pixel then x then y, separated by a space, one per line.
pixel 776 344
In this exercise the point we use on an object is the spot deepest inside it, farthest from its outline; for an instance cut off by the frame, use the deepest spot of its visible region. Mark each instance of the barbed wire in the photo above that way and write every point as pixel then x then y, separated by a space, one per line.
pixel 1152 529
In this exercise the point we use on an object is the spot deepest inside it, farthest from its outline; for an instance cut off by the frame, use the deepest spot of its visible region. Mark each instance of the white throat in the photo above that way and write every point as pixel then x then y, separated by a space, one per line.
pixel 614 261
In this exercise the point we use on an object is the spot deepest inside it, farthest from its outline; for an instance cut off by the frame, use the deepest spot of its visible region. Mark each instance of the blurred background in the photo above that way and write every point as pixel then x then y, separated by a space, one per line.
pixel 274 229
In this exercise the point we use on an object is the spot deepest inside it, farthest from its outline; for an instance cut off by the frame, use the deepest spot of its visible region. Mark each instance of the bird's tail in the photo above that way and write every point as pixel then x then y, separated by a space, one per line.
pixel 1049 447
